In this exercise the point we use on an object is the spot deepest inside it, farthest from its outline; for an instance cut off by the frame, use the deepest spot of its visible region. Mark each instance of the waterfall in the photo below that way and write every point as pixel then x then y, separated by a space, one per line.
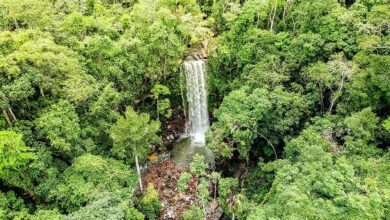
pixel 198 117
pixel 193 142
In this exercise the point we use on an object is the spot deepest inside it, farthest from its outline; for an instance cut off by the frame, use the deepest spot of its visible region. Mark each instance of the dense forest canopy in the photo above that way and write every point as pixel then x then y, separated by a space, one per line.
pixel 299 93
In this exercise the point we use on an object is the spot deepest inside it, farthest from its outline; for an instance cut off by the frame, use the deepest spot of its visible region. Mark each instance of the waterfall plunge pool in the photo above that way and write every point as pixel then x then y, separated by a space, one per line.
pixel 186 148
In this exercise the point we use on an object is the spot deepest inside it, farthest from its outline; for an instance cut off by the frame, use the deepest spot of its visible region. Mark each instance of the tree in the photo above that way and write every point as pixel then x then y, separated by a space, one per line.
pixel 330 78
pixel 12 207
pixel 14 16
pixel 96 181
pixel 198 165
pixel 108 207
pixel 163 105
pixel 59 124
pixel 360 128
pixel 226 191
pixel 15 157
pixel 215 177
pixel 103 111
pixel 133 134
pixel 4 105
pixel 386 124
pixel 319 179
pixel 47 214
pixel 248 115
pixel 194 213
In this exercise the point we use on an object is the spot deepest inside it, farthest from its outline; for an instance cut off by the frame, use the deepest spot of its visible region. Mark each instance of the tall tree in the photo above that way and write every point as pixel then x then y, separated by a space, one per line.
pixel 133 134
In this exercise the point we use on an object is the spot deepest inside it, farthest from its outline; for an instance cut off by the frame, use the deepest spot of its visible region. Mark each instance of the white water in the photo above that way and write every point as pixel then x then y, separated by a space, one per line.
pixel 197 100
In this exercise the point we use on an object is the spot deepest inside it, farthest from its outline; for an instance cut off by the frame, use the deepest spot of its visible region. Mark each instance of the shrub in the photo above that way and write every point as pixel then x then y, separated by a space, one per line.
pixel 182 184
pixel 194 213
pixel 198 165
pixel 149 204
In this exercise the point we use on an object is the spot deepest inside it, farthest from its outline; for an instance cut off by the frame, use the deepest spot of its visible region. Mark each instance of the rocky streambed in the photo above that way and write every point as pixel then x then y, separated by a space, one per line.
pixel 164 175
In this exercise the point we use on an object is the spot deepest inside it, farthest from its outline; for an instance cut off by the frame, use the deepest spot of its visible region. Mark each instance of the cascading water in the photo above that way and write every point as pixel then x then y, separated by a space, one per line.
pixel 198 117
pixel 197 99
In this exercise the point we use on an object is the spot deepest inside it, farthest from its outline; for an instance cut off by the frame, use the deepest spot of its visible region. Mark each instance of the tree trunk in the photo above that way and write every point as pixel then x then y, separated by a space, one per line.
pixel 285 8
pixel 139 173
pixel 272 15
pixel 158 109
pixel 41 91
pixel 12 113
pixel 6 117
pixel 338 95
pixel 215 190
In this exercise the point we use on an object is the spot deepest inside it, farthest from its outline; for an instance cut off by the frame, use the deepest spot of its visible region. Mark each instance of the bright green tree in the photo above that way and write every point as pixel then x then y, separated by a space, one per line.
pixel 59 124
pixel 133 134
pixel 15 157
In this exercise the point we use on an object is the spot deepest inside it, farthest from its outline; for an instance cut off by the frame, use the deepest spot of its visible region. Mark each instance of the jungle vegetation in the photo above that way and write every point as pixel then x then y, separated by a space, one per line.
pixel 299 92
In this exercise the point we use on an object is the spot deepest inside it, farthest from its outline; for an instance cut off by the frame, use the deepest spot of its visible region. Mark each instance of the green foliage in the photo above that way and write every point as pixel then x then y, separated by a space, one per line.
pixel 317 182
pixel 47 214
pixel 160 90
pixel 361 127
pixel 194 213
pixel 12 207
pixel 134 214
pixel 89 179
pixel 14 15
pixel 102 112
pixel 182 183
pixel 15 157
pixel 34 55
pixel 103 208
pixel 329 78
pixel 386 124
pixel 301 88
pixel 222 12
pixel 226 187
pixel 67 69
pixel 322 58
pixel 215 176
pixel 245 116
pixel 198 169
pixel 60 125
pixel 149 204
pixel 203 192
pixel 163 105
pixel 198 165
pixel 133 134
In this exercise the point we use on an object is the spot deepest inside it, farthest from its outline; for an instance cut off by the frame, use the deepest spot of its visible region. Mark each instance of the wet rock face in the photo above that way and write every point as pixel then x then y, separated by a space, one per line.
pixel 172 129
pixel 199 52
